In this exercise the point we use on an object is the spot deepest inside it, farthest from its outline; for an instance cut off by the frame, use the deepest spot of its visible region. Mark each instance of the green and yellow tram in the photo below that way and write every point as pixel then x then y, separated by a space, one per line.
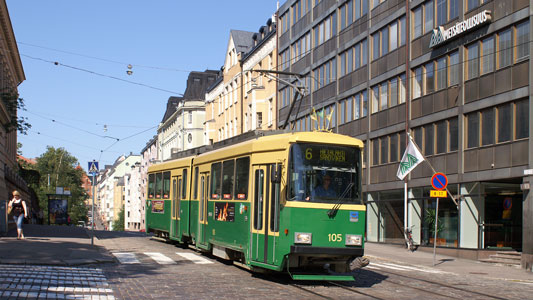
pixel 284 202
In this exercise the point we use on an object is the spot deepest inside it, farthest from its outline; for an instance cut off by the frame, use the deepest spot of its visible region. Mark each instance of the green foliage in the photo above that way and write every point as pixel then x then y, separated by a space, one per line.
pixel 430 220
pixel 118 223
pixel 57 168
pixel 13 103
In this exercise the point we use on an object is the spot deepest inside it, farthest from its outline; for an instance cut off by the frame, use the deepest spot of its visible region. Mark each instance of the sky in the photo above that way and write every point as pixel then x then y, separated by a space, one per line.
pixel 75 55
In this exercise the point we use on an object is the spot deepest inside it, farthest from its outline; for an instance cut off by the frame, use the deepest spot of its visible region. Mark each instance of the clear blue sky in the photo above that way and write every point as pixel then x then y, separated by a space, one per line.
pixel 163 40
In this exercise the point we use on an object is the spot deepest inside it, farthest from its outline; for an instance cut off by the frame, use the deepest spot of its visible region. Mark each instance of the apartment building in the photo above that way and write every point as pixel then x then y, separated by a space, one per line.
pixel 11 76
pixel 453 74
pixel 182 125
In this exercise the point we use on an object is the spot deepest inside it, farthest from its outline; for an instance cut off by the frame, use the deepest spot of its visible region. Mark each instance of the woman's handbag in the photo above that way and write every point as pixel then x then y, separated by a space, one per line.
pixel 9 208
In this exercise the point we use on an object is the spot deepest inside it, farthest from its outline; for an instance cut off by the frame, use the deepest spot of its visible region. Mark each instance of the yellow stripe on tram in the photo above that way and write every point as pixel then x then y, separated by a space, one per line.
pixel 300 204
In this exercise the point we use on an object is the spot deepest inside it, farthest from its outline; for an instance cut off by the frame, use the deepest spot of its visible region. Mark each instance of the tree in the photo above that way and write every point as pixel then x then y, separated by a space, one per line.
pixel 13 103
pixel 58 168
pixel 118 223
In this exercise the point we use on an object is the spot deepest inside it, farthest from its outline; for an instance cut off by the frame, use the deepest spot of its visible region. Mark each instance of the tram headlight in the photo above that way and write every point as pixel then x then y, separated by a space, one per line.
pixel 354 240
pixel 303 238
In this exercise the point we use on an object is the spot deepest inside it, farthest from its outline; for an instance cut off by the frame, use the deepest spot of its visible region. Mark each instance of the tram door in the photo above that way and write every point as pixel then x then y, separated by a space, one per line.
pixel 175 224
pixel 202 209
pixel 263 235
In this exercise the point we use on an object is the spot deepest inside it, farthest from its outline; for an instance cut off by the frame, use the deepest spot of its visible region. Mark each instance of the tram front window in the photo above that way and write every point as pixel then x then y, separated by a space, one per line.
pixel 324 173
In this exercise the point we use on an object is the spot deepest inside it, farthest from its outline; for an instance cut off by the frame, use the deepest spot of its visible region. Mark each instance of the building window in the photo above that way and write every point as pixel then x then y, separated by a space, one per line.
pixel 417 82
pixel 417 22
pixel 473 64
pixel 384 147
pixel 454 68
pixel 454 134
pixel 393 36
pixel 441 73
pixel 473 130
pixel 394 92
pixel 505 49
pixel 429 138
pixel 383 96
pixel 364 104
pixel 430 78
pixel 487 52
pixel 190 117
pixel 375 152
pixel 441 137
pixel 393 147
pixel 504 123
pixel 375 97
pixel 487 127
pixel 522 119
pixel 428 16
pixel 402 90
pixel 522 39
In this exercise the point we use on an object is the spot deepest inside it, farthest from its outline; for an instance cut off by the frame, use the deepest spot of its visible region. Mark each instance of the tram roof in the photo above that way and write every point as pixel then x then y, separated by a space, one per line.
pixel 255 141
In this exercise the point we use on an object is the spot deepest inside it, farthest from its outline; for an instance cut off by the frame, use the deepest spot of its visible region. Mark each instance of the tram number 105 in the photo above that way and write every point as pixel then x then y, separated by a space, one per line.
pixel 335 237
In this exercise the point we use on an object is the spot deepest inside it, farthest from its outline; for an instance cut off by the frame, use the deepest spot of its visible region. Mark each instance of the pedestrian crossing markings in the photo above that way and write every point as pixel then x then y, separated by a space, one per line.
pixel 396 267
pixel 132 258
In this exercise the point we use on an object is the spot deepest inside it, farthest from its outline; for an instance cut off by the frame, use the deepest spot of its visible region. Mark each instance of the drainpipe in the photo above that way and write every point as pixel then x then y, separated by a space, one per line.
pixel 242 94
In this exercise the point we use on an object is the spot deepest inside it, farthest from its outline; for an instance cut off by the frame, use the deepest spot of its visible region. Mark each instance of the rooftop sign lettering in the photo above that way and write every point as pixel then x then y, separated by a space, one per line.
pixel 440 35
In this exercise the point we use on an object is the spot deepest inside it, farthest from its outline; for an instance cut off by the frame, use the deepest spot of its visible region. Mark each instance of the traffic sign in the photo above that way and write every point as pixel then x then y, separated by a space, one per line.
pixel 439 181
pixel 93 167
pixel 438 194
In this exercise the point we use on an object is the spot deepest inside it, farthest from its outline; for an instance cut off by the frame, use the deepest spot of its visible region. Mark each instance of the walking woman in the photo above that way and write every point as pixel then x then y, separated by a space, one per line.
pixel 18 207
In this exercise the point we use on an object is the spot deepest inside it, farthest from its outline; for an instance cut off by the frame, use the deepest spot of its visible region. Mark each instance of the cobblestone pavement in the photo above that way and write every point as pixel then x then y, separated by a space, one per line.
pixel 150 269
pixel 51 282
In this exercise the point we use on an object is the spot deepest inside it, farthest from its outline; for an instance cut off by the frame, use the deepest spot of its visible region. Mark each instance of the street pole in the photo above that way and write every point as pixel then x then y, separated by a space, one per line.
pixel 92 214
pixel 435 238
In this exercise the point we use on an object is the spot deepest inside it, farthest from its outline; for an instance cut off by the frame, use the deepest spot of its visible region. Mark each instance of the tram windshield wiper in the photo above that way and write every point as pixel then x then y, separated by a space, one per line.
pixel 333 211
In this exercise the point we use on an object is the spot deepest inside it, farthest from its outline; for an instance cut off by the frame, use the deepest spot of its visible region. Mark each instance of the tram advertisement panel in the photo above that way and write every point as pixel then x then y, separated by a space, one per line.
pixel 225 211
pixel 158 206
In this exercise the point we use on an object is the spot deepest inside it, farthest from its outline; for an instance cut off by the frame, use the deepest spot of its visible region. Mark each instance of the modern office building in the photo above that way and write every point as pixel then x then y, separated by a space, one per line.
pixel 456 76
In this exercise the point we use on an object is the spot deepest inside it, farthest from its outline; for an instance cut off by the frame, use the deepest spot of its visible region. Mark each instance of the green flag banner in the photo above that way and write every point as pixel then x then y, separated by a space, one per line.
pixel 411 158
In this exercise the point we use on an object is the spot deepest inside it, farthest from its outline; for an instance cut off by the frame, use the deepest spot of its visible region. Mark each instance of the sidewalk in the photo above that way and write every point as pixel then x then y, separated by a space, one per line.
pixel 52 245
pixel 399 254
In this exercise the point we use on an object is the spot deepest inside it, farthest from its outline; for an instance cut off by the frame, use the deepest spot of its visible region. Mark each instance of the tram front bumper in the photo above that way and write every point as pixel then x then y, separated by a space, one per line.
pixel 326 251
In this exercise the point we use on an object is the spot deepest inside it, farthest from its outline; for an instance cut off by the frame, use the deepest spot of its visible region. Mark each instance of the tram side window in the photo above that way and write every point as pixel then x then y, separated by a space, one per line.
pixel 274 207
pixel 158 185
pixel 216 176
pixel 196 173
pixel 184 186
pixel 166 185
pixel 241 178
pixel 228 171
pixel 151 185
pixel 258 199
